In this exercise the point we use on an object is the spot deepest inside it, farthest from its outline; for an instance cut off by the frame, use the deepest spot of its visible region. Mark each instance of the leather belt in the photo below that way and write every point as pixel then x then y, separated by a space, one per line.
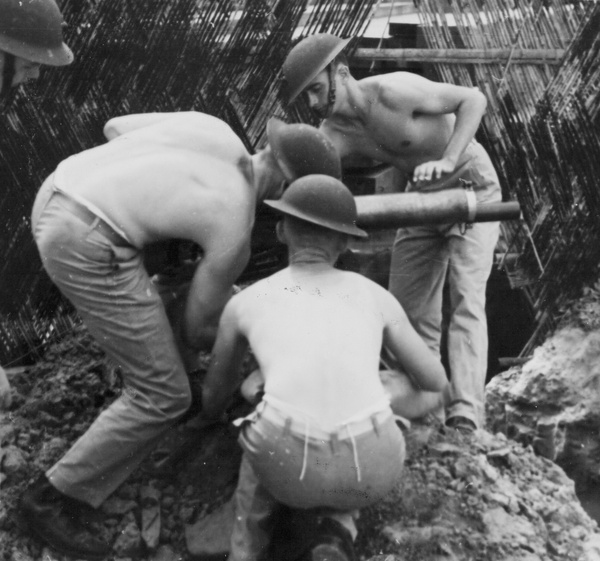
pixel 91 219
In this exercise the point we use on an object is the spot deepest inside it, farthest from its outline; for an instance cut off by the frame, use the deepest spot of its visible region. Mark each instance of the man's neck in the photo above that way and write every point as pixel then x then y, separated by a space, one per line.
pixel 311 256
pixel 356 106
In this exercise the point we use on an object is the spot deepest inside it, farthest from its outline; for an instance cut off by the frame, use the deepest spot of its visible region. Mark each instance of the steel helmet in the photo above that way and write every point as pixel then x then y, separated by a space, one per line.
pixel 32 29
pixel 322 200
pixel 309 57
pixel 302 149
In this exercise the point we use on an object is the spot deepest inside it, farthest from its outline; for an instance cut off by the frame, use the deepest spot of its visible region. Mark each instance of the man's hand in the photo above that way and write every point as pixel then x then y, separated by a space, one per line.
pixel 5 395
pixel 433 171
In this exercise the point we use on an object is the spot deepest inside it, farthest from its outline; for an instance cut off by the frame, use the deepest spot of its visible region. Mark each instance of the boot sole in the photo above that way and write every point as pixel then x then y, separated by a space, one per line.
pixel 327 552
pixel 24 525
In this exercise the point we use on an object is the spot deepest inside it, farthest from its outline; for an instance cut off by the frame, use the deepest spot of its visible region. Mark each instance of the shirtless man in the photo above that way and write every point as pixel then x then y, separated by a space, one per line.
pixel 426 130
pixel 161 176
pixel 22 49
pixel 324 436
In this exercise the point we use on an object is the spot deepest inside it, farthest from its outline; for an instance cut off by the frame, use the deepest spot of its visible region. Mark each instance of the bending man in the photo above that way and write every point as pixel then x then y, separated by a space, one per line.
pixel 426 130
pixel 324 436
pixel 161 176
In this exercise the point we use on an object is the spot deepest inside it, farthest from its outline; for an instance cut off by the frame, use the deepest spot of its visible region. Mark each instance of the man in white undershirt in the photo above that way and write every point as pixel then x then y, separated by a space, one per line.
pixel 324 436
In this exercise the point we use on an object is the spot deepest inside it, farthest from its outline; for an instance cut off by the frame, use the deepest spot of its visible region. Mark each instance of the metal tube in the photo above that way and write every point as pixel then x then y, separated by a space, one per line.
pixel 393 210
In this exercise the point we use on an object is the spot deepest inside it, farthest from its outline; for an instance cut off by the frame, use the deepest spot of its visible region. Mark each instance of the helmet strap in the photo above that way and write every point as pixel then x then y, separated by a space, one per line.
pixel 331 96
pixel 7 92
pixel 8 73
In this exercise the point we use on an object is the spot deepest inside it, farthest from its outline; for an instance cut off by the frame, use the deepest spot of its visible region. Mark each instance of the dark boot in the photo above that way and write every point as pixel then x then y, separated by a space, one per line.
pixel 55 519
pixel 333 542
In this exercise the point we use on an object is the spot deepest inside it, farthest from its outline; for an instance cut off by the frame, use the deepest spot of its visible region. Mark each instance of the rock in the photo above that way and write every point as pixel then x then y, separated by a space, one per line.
pixel 591 548
pixel 13 461
pixel 150 503
pixel 50 555
pixel 165 553
pixel 553 402
pixel 52 450
pixel 129 542
pixel 114 505
pixel 211 535
pixel 17 555
pixel 7 432
pixel 503 527
pixel 415 536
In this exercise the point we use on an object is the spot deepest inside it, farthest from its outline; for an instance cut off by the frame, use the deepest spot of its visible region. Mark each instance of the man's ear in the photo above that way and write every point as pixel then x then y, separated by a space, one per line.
pixel 342 243
pixel 343 71
pixel 279 230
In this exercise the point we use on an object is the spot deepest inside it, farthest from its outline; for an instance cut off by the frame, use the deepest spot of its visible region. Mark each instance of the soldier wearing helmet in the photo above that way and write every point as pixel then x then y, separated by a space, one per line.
pixel 426 130
pixel 30 35
pixel 323 437
pixel 161 176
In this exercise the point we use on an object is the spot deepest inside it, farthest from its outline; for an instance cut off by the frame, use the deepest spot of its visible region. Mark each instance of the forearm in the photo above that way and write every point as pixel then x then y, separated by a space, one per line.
pixel 468 119
pixel 223 376
pixel 5 393
pixel 215 401
pixel 406 399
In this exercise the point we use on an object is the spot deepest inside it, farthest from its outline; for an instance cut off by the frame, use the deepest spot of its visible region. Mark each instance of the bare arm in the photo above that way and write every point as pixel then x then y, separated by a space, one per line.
pixel 223 373
pixel 127 123
pixel 210 290
pixel 435 98
pixel 5 395
pixel 424 369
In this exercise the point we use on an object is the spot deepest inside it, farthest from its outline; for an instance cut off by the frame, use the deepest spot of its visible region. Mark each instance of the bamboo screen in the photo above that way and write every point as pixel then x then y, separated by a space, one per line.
pixel 542 132
pixel 216 56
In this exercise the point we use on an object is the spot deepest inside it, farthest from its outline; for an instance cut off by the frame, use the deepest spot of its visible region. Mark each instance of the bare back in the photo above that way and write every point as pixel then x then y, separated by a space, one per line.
pixel 409 121
pixel 317 337
pixel 176 178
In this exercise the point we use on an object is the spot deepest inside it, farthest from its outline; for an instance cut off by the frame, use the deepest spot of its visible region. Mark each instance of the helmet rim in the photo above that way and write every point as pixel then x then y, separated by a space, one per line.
pixel 57 56
pixel 33 31
pixel 303 83
pixel 342 223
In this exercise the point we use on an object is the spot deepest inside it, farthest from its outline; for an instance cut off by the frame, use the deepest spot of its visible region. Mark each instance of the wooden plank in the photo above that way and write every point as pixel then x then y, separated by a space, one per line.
pixel 462 56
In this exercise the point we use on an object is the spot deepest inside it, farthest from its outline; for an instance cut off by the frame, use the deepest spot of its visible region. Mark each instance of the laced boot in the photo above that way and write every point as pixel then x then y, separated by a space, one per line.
pixel 56 519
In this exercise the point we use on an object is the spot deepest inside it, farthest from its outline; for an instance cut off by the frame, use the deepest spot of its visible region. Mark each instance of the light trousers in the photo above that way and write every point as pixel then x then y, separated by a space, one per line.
pixel 424 258
pixel 121 308
pixel 334 474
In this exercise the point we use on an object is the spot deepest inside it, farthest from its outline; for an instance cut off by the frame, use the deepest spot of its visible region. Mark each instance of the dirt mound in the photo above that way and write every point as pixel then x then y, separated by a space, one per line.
pixel 481 498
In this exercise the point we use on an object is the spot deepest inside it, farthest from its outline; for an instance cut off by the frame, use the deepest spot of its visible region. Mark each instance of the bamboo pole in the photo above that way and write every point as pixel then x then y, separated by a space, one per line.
pixel 462 56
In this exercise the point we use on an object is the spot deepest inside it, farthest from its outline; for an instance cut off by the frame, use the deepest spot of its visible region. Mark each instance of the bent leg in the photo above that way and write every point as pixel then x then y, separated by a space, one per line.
pixel 252 527
pixel 119 305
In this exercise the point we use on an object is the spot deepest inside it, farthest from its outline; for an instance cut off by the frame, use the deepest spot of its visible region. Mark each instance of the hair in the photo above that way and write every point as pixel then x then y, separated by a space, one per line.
pixel 340 58
pixel 308 233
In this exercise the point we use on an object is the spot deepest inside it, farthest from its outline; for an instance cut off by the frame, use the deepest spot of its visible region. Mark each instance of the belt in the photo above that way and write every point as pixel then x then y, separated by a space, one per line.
pixel 91 219
pixel 299 426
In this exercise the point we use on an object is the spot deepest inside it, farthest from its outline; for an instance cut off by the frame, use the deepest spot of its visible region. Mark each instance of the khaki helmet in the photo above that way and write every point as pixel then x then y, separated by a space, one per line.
pixel 321 200
pixel 309 57
pixel 302 149
pixel 32 29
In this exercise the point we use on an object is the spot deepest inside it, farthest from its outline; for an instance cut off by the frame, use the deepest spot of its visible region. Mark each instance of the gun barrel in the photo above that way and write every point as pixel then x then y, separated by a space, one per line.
pixel 394 210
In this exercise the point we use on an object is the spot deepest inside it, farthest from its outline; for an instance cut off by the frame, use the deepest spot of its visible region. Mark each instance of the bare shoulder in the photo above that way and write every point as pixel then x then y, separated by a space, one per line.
pixel 396 87
pixel 195 120
pixel 387 302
